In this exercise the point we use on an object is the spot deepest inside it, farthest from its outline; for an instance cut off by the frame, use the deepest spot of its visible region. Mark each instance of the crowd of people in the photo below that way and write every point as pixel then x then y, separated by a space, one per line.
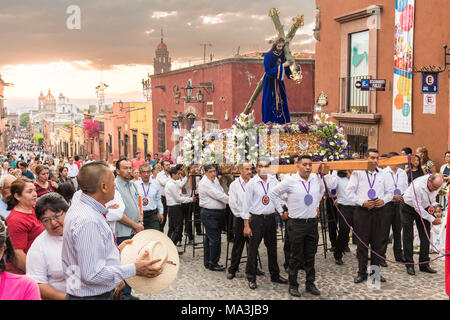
pixel 59 214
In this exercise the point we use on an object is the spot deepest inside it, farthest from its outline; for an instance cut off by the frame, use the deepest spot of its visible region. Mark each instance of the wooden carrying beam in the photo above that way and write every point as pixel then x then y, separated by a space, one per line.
pixel 392 161
pixel 292 168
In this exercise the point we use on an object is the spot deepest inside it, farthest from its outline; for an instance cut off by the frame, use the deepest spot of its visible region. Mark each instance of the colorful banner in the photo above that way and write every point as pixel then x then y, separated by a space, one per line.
pixel 403 64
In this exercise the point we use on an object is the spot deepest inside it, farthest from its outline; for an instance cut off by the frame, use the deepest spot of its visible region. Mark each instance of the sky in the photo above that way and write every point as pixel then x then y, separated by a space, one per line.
pixel 43 47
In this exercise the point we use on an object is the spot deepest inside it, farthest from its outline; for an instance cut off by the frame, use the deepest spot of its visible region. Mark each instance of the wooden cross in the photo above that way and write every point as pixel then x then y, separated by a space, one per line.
pixel 296 74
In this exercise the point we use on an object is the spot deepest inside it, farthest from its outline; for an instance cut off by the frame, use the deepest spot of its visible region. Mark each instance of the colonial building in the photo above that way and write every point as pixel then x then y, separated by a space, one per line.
pixel 215 93
pixel 386 40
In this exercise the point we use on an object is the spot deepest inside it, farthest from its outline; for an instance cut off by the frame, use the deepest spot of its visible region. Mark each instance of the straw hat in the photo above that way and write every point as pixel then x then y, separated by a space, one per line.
pixel 159 246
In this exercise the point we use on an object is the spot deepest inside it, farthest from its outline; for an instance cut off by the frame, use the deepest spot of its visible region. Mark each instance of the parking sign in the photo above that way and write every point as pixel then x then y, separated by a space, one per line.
pixel 430 83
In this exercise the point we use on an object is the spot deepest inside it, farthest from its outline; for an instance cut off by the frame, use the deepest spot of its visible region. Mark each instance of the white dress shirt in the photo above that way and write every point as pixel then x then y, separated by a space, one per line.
pixel 184 183
pixel 358 186
pixel 162 178
pixel 173 194
pixel 236 194
pixel 399 179
pixel 424 196
pixel 152 192
pixel 296 193
pixel 255 191
pixel 341 192
pixel 211 194
pixel 72 170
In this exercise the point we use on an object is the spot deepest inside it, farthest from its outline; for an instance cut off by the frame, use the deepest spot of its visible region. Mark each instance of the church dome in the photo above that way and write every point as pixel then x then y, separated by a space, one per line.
pixel 161 46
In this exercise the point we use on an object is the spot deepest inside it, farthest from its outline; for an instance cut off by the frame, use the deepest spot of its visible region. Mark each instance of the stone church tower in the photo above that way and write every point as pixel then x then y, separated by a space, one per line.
pixel 161 62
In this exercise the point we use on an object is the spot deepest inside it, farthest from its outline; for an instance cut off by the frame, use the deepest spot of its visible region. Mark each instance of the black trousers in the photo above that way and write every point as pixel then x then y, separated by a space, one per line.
pixel 332 220
pixel 409 215
pixel 163 224
pixel 263 226
pixel 197 217
pixel 151 219
pixel 238 245
pixel 187 215
pixel 286 246
pixel 368 226
pixel 228 223
pixel 175 223
pixel 304 238
pixel 393 218
pixel 343 231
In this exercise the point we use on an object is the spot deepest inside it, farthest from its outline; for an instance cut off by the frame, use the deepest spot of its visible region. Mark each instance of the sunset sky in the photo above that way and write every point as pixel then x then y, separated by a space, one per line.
pixel 39 52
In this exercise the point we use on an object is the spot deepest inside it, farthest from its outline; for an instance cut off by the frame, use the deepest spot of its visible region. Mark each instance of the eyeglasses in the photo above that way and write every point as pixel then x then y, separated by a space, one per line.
pixel 56 217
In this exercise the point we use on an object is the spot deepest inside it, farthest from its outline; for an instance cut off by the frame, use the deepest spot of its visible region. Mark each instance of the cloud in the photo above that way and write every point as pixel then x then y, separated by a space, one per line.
pixel 127 31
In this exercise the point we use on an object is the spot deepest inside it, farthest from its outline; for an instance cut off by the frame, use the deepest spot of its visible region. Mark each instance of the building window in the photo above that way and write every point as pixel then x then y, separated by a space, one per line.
pixel 126 143
pixel 211 124
pixel 210 108
pixel 358 62
pixel 358 144
pixel 161 136
pixel 118 142
pixel 145 145
pixel 110 144
pixel 134 144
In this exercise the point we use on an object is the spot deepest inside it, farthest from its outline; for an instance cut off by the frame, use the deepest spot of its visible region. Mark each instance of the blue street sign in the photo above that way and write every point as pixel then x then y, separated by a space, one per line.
pixel 365 83
pixel 430 82
pixel 175 124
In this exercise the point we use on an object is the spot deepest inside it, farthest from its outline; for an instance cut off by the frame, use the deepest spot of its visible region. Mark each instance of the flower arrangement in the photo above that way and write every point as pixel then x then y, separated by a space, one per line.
pixel 333 146
pixel 247 141
pixel 91 128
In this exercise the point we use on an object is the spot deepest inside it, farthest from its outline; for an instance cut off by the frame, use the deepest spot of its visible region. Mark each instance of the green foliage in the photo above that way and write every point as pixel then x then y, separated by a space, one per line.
pixel 24 119
pixel 38 138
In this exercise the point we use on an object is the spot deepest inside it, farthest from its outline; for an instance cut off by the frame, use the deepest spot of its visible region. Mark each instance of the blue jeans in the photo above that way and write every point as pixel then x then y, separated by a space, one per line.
pixel 212 220
pixel 126 291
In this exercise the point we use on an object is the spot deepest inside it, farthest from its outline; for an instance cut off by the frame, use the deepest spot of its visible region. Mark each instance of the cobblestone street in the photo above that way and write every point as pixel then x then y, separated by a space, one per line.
pixel 335 282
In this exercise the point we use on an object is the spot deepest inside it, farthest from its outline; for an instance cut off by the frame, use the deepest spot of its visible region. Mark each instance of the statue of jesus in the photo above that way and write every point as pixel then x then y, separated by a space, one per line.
pixel 274 103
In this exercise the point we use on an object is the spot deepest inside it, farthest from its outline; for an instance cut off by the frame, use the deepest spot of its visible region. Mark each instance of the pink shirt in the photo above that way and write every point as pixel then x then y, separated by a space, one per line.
pixel 18 287
pixel 135 163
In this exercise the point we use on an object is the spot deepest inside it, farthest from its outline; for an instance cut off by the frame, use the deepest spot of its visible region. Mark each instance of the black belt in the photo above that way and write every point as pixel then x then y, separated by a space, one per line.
pixel 103 295
pixel 266 216
pixel 151 211
pixel 299 220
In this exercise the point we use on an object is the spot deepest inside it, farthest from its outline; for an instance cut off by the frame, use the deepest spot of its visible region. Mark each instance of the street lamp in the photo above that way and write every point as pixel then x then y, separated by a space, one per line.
pixel 200 96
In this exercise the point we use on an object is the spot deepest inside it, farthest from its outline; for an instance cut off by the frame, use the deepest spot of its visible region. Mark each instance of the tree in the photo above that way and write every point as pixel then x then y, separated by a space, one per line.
pixel 24 119
pixel 92 108
pixel 38 138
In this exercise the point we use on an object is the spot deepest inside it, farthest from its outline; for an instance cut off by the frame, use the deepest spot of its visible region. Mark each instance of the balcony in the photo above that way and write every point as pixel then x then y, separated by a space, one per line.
pixel 353 100
pixel 355 105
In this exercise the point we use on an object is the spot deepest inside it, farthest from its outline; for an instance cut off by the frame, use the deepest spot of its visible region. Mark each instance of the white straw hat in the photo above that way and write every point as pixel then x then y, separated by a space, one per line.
pixel 159 246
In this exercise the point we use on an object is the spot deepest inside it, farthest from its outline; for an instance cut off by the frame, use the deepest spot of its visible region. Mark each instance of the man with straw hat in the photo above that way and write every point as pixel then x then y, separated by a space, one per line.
pixel 91 260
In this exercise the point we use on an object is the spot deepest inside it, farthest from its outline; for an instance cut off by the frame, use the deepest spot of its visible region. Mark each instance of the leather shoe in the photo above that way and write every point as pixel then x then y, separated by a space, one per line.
pixel 410 270
pixel 401 259
pixel 279 279
pixel 294 292
pixel 339 262
pixel 427 269
pixel 332 249
pixel 252 285
pixel 347 249
pixel 359 278
pixel 383 264
pixel 311 288
pixel 230 275
pixel 259 272
pixel 382 279
pixel 217 268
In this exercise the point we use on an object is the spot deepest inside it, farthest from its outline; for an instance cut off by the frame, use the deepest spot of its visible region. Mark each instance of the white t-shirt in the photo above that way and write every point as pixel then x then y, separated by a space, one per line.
pixel 44 262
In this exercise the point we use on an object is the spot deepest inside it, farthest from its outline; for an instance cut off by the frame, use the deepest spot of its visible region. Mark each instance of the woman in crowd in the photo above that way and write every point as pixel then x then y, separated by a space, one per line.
pixel 416 169
pixel 63 172
pixel 23 227
pixel 135 174
pixel 428 166
pixel 44 262
pixel 17 173
pixel 43 184
pixel 13 286
pixel 51 164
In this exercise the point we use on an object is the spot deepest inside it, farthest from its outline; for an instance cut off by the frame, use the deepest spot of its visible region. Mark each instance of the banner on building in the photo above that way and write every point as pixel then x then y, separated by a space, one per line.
pixel 403 64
